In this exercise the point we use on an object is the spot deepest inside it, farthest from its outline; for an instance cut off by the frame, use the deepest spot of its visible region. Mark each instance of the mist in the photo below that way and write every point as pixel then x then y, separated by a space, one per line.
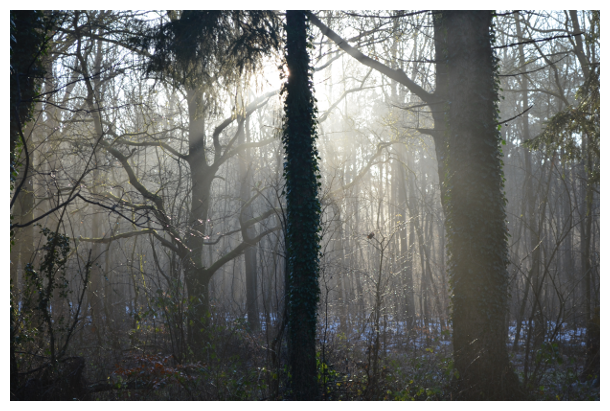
pixel 149 215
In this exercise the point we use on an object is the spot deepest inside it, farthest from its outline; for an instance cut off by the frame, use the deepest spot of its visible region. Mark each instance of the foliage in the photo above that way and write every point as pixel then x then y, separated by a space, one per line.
pixel 576 130
pixel 27 46
pixel 200 46
pixel 153 371
pixel 430 378
pixel 558 377
pixel 41 317
pixel 228 371
pixel 46 322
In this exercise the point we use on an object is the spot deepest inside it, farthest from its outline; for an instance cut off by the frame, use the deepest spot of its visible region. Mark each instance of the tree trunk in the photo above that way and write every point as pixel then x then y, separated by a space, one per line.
pixel 303 210
pixel 197 284
pixel 245 174
pixel 474 204
pixel 406 250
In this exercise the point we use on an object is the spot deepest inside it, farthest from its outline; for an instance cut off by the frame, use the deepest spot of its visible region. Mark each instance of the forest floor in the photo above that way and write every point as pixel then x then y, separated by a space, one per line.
pixel 393 364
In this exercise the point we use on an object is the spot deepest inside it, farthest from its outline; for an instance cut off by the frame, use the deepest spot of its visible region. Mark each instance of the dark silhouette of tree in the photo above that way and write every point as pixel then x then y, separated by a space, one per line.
pixel 303 209
pixel 28 39
pixel 195 50
pixel 27 44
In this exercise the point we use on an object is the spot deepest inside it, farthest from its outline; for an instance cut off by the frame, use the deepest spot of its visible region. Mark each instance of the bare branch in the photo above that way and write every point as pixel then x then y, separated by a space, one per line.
pixel 106 240
pixel 397 75
pixel 236 252
pixel 512 118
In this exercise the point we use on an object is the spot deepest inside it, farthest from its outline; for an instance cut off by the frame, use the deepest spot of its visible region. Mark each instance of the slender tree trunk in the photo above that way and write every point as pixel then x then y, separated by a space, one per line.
pixel 339 251
pixel 245 177
pixel 303 210
pixel 406 250
pixel 95 290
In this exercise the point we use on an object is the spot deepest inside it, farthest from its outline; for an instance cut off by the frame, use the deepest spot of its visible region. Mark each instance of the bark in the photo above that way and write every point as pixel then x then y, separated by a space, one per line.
pixel 474 206
pixel 303 210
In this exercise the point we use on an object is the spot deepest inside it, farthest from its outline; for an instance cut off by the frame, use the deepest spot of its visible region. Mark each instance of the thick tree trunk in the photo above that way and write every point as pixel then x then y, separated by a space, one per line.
pixel 474 202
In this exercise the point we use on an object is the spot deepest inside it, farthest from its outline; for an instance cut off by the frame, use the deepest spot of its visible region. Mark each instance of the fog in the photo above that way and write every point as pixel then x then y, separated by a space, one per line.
pixel 148 212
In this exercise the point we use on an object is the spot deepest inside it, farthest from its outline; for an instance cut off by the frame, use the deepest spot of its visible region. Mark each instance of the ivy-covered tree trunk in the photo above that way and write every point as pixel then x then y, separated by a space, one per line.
pixel 474 205
pixel 303 209
pixel 27 43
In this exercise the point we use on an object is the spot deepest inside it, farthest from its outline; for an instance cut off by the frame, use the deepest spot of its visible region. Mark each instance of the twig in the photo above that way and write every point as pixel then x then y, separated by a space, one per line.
pixel 512 118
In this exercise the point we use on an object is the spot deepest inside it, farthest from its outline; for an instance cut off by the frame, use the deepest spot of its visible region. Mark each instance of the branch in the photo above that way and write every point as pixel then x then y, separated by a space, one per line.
pixel 434 132
pixel 68 201
pixel 156 143
pixel 396 75
pixel 219 158
pixel 244 146
pixel 251 108
pixel 355 38
pixel 336 103
pixel 255 220
pixel 219 237
pixel 397 16
pixel 133 179
pixel 512 118
pixel 538 40
pixel 94 36
pixel 243 225
pixel 236 252
pixel 114 210
pixel 364 170
pixel 125 203
pixel 328 63
pixel 168 244
pixel 152 144
pixel 106 240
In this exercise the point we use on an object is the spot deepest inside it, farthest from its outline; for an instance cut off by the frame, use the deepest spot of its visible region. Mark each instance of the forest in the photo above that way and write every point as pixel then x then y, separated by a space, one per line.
pixel 305 205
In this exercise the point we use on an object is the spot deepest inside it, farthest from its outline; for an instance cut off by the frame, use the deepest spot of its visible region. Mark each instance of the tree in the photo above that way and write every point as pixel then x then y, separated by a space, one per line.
pixel 303 209
pixel 193 50
pixel 467 145
pixel 576 130
pixel 114 175
pixel 27 44
pixel 475 206
pixel 200 52
pixel 28 41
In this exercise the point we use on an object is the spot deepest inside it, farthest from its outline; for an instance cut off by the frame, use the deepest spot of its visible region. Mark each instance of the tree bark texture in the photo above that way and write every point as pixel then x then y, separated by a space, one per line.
pixel 303 209
pixel 474 205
